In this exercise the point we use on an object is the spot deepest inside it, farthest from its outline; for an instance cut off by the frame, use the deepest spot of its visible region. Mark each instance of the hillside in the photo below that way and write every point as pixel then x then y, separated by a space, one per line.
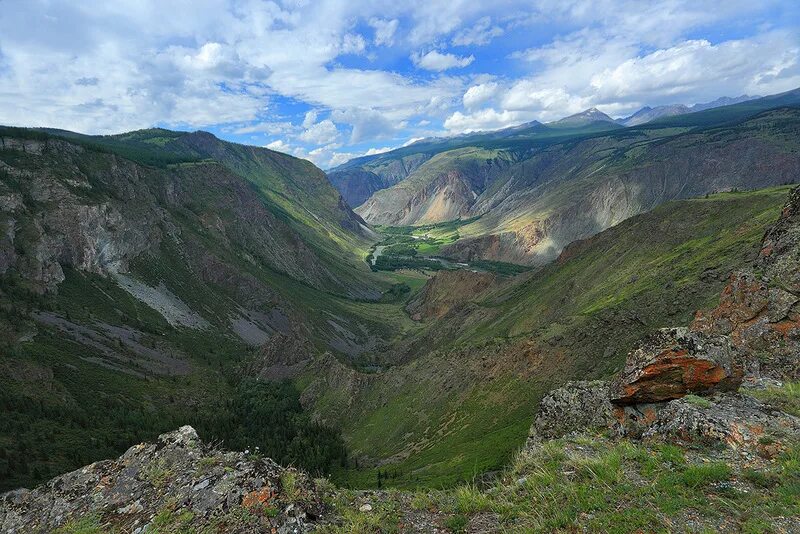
pixel 457 403
pixel 538 189
pixel 139 274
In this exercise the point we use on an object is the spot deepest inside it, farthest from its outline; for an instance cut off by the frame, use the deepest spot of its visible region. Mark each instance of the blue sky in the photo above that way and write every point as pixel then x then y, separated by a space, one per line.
pixel 331 80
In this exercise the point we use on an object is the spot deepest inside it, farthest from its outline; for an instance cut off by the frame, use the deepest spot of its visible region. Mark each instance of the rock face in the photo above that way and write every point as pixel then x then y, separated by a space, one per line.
pixel 674 362
pixel 729 419
pixel 761 312
pixel 177 483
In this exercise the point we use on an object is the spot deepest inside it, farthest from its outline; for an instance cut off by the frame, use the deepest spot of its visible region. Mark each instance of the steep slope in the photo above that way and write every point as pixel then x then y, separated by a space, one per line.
pixel 458 401
pixel 572 190
pixel 604 141
pixel 441 189
pixel 133 294
pixel 360 178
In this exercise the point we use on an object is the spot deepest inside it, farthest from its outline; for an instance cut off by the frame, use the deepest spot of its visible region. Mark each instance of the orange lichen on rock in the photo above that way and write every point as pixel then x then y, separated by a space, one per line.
pixel 673 363
pixel 258 497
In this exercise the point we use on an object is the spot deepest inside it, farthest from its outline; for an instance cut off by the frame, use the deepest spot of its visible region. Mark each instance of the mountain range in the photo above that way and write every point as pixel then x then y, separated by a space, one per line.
pixel 156 278
pixel 528 192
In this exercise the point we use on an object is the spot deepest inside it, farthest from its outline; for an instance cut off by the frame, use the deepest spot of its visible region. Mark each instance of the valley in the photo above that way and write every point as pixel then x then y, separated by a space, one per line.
pixel 158 278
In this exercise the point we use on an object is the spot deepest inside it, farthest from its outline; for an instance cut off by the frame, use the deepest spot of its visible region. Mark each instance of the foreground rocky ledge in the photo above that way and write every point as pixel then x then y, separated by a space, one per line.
pixel 177 481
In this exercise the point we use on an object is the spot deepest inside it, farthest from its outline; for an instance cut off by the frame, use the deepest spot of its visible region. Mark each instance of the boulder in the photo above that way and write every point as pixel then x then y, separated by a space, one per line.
pixel 575 407
pixel 674 362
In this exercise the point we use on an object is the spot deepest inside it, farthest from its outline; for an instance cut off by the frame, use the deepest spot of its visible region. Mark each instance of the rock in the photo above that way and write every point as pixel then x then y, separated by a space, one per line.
pixel 763 323
pixel 575 407
pixel 365 508
pixel 780 249
pixel 731 419
pixel 180 475
pixel 674 362
pixel 761 312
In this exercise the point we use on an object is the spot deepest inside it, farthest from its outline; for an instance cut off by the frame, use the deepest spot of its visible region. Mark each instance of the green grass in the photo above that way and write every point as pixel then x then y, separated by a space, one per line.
pixel 617 286
pixel 785 397
pixel 622 487
pixel 90 524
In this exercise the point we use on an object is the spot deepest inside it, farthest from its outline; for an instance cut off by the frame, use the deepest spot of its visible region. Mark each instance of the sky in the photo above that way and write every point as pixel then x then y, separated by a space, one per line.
pixel 330 80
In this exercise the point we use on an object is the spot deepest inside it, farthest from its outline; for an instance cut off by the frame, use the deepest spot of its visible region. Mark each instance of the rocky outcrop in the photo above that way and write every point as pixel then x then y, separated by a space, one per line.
pixel 730 419
pixel 761 311
pixel 177 483
pixel 283 357
pixel 674 362
pixel 733 419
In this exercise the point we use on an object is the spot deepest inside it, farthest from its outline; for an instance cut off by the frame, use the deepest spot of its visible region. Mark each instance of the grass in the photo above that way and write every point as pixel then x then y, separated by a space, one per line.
pixel 618 286
pixel 785 397
pixel 90 524
pixel 621 487
pixel 157 473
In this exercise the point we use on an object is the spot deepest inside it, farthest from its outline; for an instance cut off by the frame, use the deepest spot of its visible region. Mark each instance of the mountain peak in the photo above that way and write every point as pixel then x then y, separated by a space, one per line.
pixel 585 117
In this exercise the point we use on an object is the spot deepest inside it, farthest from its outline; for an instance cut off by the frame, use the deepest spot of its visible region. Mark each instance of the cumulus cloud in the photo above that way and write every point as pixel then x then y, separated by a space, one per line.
pixel 368 123
pixel 373 151
pixel 246 67
pixel 437 61
pixel 478 94
pixel 485 119
pixel 480 34
pixel 749 65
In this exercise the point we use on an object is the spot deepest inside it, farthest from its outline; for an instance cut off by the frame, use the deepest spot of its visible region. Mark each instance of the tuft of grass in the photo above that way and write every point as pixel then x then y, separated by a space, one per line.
pixel 290 483
pixel 90 524
pixel 698 401
pixel 205 464
pixel 456 523
pixel 696 476
pixel 470 500
pixel 157 473
pixel 786 397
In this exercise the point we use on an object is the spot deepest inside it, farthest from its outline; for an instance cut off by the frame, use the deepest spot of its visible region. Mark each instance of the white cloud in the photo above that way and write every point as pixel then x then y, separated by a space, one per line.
pixel 280 146
pixel 694 66
pixel 368 124
pixel 480 34
pixel 384 30
pixel 321 133
pixel 373 151
pixel 353 44
pixel 437 61
pixel 485 119
pixel 412 141
pixel 478 94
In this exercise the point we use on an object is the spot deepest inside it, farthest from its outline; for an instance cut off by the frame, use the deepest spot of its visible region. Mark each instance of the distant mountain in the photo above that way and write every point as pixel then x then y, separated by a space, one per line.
pixel 647 114
pixel 583 118
pixel 723 101
pixel 539 189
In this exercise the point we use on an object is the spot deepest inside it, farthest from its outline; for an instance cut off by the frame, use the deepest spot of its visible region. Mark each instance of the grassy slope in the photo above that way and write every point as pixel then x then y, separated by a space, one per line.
pixel 580 315
pixel 60 410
